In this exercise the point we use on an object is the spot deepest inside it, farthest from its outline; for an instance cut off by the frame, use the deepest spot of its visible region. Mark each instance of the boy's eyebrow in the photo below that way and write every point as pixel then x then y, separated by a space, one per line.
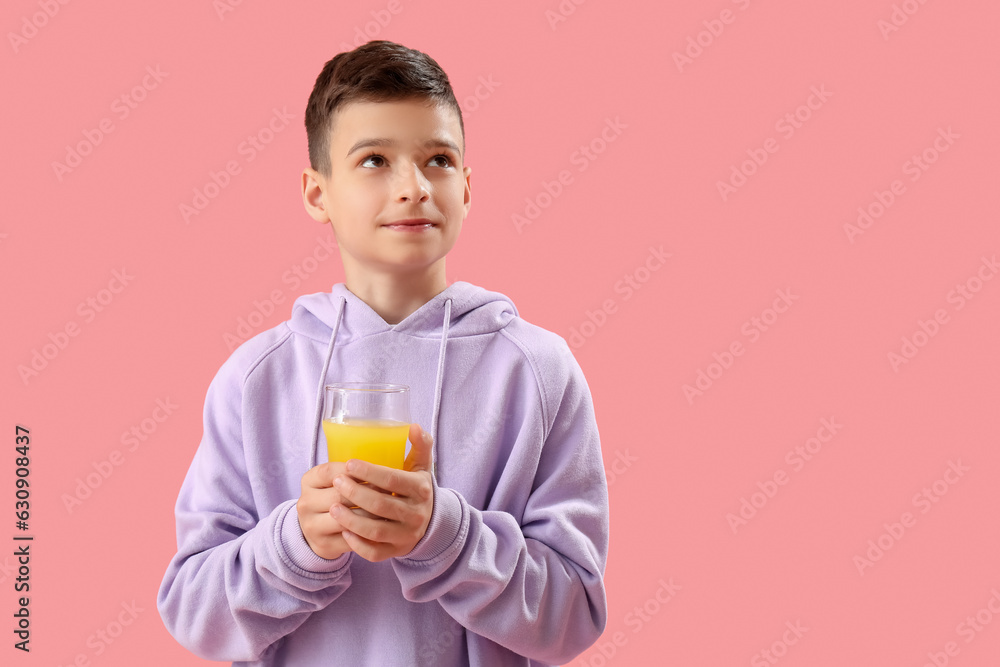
pixel 430 143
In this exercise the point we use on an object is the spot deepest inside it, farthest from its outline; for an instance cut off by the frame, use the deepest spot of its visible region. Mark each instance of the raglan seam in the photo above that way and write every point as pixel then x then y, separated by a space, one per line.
pixel 263 355
pixel 542 394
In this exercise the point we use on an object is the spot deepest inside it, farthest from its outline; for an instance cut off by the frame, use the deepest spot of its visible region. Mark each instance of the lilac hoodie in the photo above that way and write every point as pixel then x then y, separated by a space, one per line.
pixel 510 571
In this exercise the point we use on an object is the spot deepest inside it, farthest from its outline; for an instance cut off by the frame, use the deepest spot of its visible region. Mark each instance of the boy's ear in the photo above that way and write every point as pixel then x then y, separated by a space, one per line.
pixel 313 184
pixel 468 189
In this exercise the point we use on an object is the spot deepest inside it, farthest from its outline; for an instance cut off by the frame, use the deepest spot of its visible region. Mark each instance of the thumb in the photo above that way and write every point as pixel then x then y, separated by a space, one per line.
pixel 421 453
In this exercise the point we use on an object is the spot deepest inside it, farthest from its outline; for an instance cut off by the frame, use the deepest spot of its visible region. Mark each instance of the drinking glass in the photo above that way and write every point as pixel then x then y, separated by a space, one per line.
pixel 367 421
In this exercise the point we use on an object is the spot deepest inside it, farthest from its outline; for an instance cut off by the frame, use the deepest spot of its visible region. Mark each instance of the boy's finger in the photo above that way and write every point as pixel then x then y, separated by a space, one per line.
pixel 420 454
pixel 415 484
pixel 385 478
pixel 319 501
pixel 322 475
pixel 373 502
pixel 373 531
pixel 360 512
pixel 370 551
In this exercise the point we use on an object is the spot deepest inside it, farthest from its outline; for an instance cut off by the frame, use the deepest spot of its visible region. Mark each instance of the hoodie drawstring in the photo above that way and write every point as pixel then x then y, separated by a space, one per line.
pixel 437 386
pixel 322 381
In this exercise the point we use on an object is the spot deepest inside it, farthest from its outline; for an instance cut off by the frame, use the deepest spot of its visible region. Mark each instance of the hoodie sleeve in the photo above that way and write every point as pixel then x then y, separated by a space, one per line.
pixel 536 586
pixel 239 582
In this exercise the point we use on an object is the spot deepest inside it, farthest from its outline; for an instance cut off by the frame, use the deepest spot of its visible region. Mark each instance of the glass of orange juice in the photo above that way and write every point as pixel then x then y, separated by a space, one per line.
pixel 367 421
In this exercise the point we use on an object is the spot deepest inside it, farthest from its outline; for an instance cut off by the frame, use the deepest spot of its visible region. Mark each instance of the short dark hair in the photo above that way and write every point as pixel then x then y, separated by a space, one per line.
pixel 379 71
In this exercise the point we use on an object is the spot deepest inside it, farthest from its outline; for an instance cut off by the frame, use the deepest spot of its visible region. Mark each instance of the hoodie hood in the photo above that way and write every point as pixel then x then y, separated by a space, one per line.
pixel 474 311
pixel 461 309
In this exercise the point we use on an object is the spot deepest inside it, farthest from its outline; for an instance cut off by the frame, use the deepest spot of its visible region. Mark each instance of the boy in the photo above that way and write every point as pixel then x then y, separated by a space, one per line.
pixel 490 548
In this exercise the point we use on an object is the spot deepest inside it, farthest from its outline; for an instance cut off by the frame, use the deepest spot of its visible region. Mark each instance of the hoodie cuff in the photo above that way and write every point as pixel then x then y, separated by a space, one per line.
pixel 297 553
pixel 446 526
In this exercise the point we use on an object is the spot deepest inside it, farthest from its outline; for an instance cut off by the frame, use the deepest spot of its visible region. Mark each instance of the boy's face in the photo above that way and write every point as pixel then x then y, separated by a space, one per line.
pixel 390 162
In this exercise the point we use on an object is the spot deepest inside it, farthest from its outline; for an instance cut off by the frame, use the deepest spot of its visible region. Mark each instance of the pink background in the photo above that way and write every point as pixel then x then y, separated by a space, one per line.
pixel 678 467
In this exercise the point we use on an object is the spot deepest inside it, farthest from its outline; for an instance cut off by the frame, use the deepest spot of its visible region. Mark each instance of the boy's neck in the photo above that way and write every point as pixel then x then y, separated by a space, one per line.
pixel 395 296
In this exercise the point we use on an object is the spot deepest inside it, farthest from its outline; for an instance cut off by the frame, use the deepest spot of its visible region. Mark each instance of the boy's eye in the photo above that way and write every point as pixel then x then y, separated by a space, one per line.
pixel 375 156
pixel 370 157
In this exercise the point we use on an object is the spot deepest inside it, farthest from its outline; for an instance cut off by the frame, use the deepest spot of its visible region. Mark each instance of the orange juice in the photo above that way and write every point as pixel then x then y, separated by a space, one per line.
pixel 373 440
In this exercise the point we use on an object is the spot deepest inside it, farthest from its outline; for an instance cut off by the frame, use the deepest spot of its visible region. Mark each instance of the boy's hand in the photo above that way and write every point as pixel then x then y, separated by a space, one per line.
pixel 321 530
pixel 391 524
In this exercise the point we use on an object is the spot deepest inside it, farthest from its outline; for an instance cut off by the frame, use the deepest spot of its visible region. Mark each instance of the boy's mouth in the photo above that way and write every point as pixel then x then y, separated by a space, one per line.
pixel 410 225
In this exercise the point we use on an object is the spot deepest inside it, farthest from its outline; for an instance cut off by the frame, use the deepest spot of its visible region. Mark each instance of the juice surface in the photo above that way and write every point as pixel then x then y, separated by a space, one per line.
pixel 376 441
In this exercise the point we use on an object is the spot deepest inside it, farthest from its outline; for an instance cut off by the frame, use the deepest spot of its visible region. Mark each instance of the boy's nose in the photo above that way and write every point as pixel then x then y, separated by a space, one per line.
pixel 411 184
